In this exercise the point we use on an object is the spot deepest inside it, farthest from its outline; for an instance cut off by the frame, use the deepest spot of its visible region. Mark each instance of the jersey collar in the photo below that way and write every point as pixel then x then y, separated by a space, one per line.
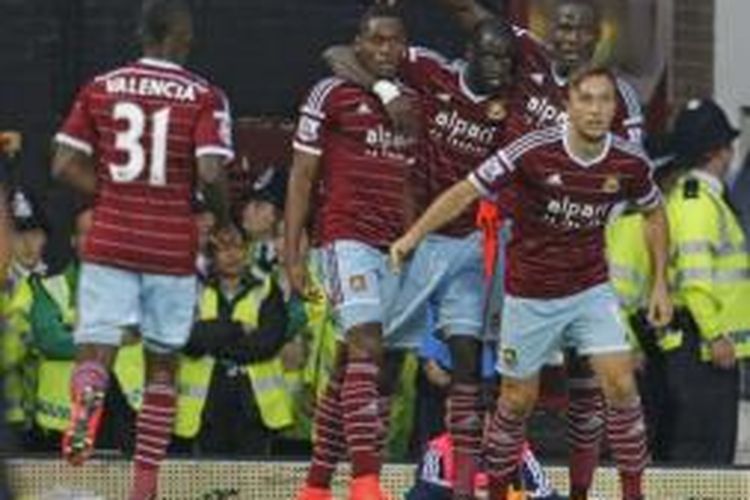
pixel 158 63
pixel 465 89
pixel 581 161
pixel 714 183
pixel 560 80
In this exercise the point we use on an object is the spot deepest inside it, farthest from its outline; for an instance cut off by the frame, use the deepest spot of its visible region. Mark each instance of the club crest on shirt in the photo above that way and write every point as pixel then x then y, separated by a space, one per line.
pixel 358 283
pixel 495 110
pixel 611 184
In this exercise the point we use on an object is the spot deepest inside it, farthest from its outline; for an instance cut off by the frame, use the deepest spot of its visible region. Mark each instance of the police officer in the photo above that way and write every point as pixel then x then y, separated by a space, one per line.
pixel 710 277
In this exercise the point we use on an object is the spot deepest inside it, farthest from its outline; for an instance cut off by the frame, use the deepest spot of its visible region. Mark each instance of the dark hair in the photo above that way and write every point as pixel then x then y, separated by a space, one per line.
pixel 589 71
pixel 588 4
pixel 157 17
pixel 377 11
pixel 493 26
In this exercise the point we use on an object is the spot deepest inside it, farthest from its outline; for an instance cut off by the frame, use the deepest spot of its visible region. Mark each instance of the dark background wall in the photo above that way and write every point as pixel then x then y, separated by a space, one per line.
pixel 264 53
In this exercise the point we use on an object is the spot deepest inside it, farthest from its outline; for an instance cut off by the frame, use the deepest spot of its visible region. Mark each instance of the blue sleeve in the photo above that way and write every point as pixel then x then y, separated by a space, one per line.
pixel 489 360
pixel 435 349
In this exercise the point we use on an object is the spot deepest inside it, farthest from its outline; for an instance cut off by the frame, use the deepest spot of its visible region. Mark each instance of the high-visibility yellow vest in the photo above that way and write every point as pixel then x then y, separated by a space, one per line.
pixel 710 265
pixel 53 403
pixel 16 359
pixel 318 334
pixel 629 261
pixel 266 378
pixel 630 274
pixel 629 265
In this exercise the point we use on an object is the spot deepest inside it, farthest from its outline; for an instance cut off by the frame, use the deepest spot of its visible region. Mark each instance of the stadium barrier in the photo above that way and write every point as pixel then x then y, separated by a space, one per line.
pixel 49 479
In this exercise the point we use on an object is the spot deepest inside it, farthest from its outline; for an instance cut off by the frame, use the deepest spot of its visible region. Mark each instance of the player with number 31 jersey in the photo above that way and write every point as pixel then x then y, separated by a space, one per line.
pixel 145 123
pixel 139 139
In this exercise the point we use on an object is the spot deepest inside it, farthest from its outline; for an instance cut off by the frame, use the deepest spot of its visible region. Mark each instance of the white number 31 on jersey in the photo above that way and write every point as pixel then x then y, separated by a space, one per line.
pixel 129 141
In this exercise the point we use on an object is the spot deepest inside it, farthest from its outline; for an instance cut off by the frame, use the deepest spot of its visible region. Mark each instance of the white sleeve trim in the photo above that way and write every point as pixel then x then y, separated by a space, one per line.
pixel 650 200
pixel 74 143
pixel 475 181
pixel 298 146
pixel 215 150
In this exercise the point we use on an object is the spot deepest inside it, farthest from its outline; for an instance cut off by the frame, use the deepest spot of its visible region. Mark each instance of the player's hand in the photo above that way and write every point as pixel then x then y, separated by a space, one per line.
pixel 296 273
pixel 660 308
pixel 723 354
pixel 436 374
pixel 400 250
pixel 404 115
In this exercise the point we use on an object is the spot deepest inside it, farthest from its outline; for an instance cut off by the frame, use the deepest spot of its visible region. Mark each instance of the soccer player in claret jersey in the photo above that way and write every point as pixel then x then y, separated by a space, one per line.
pixel 568 179
pixel 345 139
pixel 574 34
pixel 463 108
pixel 133 139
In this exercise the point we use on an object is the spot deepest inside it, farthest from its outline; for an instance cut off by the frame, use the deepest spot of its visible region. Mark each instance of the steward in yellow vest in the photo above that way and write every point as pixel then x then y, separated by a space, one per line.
pixel 710 279
pixel 232 397
pixel 17 361
pixel 51 314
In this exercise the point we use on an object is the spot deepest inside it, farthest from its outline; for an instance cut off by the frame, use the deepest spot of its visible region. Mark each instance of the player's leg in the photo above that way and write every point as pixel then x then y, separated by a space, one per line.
pixel 531 333
pixel 353 273
pixel 360 399
pixel 506 434
pixel 329 442
pixel 154 423
pixel 464 412
pixel 461 306
pixel 107 305
pixel 599 333
pixel 167 304
pixel 585 416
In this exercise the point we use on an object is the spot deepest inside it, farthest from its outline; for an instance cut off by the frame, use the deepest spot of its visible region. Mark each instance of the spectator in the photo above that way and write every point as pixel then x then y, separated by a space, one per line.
pixel 710 272
pixel 30 227
pixel 261 213
pixel 51 314
pixel 19 363
pixel 232 396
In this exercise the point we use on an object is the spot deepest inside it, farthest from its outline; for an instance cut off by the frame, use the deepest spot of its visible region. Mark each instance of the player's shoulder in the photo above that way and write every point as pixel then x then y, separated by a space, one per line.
pixel 533 140
pixel 630 150
pixel 629 96
pixel 530 46
pixel 421 53
pixel 527 38
pixel 429 58
pixel 324 91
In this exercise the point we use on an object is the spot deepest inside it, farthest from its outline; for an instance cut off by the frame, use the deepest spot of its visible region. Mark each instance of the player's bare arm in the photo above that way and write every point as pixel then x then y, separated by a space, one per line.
pixel 468 13
pixel 657 237
pixel 215 187
pixel 344 63
pixel 74 168
pixel 304 172
pixel 444 209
